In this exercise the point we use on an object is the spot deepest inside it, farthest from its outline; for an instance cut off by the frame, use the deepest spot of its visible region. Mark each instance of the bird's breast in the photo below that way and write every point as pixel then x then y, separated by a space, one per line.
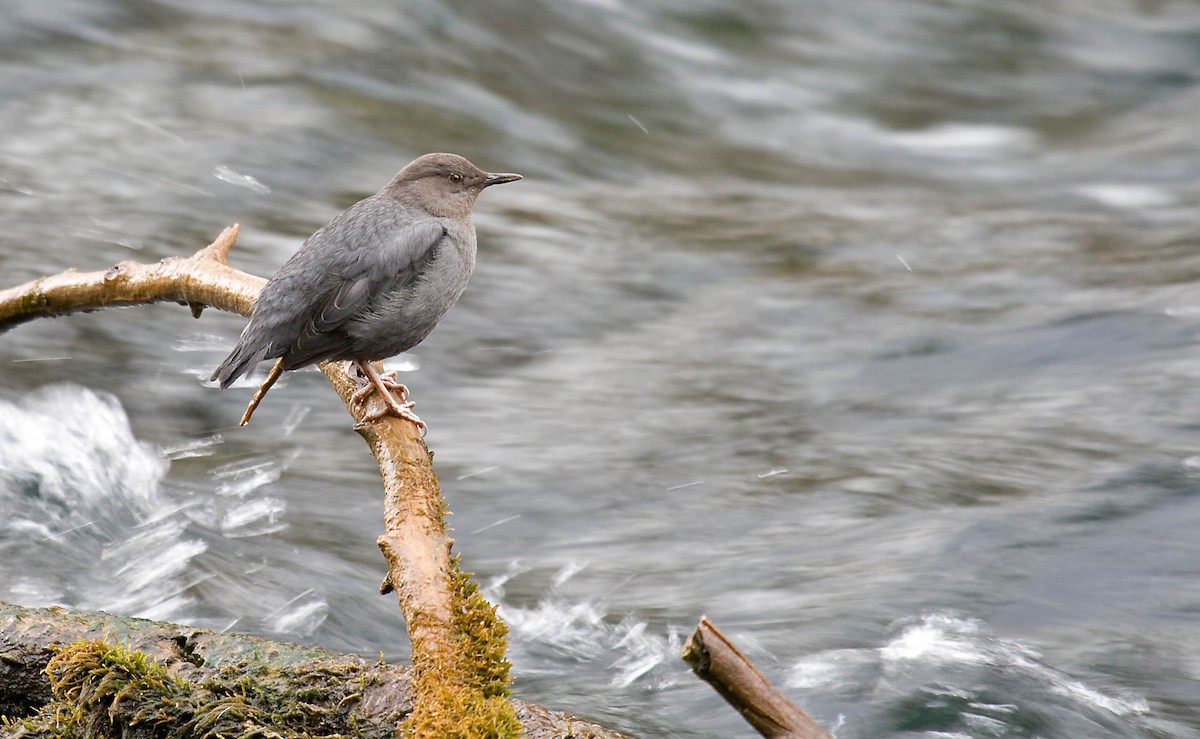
pixel 401 318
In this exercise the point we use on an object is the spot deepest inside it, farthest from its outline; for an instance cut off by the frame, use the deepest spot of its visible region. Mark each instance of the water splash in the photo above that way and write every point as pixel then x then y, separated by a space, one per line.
pixel 203 447
pixel 93 522
pixel 251 183
pixel 585 631
pixel 951 676
pixel 88 524
pixel 945 639
pixel 300 615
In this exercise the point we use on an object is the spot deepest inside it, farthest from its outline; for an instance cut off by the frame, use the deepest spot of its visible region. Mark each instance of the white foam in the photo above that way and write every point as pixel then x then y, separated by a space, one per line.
pixel 249 182
pixel 962 140
pixel 1123 195
pixel 833 669
pixel 76 447
pixel 946 639
pixel 86 515
pixel 302 615
pixel 254 518
pixel 585 632
pixel 936 638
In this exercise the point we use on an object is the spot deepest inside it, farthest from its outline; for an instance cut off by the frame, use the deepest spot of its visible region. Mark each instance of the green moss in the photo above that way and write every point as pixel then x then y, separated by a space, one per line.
pixel 95 683
pixel 467 695
pixel 109 691
pixel 483 636
pixel 33 302
pixel 106 689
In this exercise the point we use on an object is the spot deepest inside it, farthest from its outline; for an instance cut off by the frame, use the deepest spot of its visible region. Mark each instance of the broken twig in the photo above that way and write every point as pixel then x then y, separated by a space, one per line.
pixel 716 661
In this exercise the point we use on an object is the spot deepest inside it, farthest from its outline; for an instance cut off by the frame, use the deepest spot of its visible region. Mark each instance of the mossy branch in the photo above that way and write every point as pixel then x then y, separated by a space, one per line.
pixel 450 626
pixel 69 673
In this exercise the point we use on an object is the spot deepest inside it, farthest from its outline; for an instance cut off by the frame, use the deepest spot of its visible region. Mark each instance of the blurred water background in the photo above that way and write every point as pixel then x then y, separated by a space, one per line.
pixel 867 329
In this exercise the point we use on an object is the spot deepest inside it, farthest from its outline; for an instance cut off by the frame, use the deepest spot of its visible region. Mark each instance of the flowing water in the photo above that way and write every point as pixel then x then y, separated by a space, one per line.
pixel 867 329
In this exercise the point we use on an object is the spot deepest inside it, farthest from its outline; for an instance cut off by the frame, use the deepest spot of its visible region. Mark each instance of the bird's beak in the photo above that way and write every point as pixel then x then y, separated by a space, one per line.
pixel 499 179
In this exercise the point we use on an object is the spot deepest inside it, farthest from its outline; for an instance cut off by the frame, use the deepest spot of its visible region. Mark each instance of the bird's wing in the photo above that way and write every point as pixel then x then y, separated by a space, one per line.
pixel 357 273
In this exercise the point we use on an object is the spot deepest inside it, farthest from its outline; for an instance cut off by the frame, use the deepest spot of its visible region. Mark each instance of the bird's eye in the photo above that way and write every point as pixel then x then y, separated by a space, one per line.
pixel 456 178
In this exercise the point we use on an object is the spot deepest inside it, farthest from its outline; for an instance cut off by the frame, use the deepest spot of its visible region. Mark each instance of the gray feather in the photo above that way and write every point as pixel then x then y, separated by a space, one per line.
pixel 375 280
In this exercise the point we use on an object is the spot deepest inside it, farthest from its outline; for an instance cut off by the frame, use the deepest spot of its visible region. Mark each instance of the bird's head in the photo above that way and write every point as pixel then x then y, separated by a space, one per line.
pixel 443 184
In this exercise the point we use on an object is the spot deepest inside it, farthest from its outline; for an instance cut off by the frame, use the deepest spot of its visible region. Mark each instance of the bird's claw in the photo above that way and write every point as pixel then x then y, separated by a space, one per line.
pixel 393 394
pixel 396 389
pixel 392 407
pixel 389 381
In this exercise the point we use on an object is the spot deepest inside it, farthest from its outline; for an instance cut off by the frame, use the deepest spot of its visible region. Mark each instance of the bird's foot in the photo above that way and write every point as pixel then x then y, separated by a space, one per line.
pixel 386 379
pixel 393 394
pixel 392 407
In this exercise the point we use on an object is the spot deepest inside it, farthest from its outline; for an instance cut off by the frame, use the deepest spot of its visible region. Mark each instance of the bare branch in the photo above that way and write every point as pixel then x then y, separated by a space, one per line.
pixel 202 279
pixel 716 661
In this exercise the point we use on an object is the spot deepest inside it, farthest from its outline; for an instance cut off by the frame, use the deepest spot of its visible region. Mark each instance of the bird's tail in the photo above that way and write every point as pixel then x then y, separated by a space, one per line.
pixel 244 357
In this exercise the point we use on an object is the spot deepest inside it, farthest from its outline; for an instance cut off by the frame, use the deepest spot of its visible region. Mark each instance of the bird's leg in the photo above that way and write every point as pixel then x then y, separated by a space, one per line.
pixel 387 378
pixel 400 407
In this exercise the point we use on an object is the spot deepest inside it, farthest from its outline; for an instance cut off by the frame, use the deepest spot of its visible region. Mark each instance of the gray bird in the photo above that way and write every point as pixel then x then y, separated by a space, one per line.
pixel 371 283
